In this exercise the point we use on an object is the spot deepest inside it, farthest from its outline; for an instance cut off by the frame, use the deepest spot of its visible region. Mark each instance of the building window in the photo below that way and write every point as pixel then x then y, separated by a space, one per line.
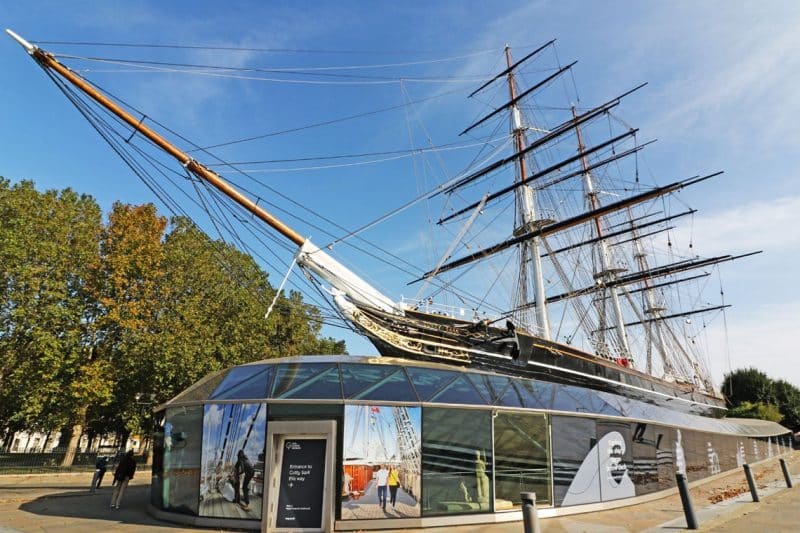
pixel 456 461
pixel 521 459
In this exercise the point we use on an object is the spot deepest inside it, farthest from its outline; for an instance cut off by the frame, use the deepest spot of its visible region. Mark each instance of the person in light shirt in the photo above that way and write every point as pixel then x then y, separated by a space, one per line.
pixel 381 479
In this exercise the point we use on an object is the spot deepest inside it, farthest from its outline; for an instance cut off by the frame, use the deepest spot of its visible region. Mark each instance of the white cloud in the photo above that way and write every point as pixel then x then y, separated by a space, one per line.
pixel 763 336
pixel 758 225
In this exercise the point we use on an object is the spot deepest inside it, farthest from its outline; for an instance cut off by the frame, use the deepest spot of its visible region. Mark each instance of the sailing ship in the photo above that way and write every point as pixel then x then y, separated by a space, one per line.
pixel 593 243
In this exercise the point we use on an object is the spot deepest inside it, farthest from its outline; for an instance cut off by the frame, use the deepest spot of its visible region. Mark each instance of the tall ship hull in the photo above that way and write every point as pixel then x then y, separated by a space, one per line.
pixel 438 338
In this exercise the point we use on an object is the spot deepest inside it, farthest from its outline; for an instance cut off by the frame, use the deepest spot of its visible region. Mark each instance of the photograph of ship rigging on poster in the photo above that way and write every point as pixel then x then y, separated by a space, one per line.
pixel 381 468
pixel 232 467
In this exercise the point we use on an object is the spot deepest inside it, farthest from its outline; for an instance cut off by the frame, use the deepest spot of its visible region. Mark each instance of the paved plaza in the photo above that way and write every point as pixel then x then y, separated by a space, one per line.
pixel 62 503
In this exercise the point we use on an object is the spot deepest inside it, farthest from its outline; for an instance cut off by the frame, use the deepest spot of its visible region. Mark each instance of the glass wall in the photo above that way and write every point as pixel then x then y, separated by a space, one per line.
pixel 456 461
pixel 381 470
pixel 183 432
pixel 522 459
pixel 232 479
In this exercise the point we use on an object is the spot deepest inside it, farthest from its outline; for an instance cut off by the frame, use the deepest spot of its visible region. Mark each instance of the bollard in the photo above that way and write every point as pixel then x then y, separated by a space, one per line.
pixel 751 483
pixel 786 474
pixel 530 519
pixel 688 510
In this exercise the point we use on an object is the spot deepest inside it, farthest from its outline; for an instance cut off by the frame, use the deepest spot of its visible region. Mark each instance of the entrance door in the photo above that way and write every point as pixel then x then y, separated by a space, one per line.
pixel 301 476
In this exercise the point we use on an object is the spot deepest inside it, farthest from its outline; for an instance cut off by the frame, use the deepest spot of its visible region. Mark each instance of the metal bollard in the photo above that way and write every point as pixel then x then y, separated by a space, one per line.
pixel 751 483
pixel 686 500
pixel 530 519
pixel 786 474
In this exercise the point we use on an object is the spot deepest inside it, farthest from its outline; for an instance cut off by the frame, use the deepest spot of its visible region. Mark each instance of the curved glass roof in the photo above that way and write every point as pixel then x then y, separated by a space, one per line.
pixel 384 379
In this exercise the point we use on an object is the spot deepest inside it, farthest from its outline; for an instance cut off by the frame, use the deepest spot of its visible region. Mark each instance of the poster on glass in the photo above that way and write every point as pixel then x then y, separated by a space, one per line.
pixel 232 475
pixel 381 469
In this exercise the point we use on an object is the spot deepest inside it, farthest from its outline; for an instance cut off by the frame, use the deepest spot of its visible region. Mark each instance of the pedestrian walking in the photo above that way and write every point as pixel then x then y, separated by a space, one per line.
pixel 122 475
pixel 101 465
pixel 394 484
pixel 381 478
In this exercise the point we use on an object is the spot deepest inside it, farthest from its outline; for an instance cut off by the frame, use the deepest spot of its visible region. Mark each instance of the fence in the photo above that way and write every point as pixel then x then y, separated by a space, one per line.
pixel 43 462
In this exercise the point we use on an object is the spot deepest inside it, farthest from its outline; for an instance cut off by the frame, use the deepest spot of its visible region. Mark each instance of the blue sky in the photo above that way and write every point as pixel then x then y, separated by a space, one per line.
pixel 721 96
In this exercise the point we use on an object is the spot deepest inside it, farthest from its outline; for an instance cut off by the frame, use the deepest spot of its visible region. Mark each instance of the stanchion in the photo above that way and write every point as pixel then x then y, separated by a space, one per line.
pixel 786 474
pixel 688 510
pixel 751 483
pixel 530 519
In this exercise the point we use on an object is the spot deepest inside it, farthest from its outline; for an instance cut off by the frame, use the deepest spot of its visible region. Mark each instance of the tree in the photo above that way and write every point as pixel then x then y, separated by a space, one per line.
pixel 92 315
pixel 750 385
pixel 47 244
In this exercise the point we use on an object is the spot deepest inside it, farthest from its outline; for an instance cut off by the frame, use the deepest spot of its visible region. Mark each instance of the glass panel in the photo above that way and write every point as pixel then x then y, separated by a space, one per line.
pixel 428 381
pixel 244 382
pixel 202 389
pixel 531 394
pixel 615 459
pixel 182 444
pixel 459 391
pixel 575 464
pixel 157 474
pixel 233 460
pixel 456 461
pixel 381 462
pixel 665 457
pixel 307 380
pixel 491 387
pixel 644 471
pixel 395 387
pixel 521 459
pixel 358 378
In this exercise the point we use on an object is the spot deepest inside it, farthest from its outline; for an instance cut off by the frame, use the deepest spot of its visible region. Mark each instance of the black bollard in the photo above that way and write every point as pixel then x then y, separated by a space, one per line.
pixel 688 510
pixel 751 483
pixel 530 519
pixel 786 474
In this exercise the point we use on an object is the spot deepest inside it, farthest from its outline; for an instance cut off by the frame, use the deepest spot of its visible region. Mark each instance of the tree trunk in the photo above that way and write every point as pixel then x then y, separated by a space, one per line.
pixel 77 431
pixel 46 440
pixel 10 434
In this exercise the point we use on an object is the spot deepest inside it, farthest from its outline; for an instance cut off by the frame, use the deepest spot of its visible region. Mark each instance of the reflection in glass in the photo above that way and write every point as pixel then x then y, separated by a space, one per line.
pixel 644 472
pixel 573 439
pixel 232 478
pixel 244 382
pixel 521 459
pixel 456 461
pixel 308 380
pixel 182 444
pixel 461 390
pixel 381 462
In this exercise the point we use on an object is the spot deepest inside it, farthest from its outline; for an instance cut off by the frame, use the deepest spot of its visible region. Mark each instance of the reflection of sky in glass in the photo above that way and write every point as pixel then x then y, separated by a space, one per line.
pixel 370 432
pixel 225 430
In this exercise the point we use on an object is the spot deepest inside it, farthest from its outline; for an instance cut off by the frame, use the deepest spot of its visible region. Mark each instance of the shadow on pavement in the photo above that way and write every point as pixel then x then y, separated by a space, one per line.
pixel 87 506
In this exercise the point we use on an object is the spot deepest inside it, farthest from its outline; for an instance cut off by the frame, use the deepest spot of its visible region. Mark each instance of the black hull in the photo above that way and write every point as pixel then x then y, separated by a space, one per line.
pixel 437 338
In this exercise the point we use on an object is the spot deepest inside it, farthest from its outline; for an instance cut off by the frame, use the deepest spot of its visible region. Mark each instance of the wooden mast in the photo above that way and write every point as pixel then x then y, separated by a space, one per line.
pixel 527 208
pixel 46 60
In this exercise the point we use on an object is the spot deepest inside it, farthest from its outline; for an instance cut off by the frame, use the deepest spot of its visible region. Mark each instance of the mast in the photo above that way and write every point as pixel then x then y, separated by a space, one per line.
pixel 607 272
pixel 526 204
pixel 344 281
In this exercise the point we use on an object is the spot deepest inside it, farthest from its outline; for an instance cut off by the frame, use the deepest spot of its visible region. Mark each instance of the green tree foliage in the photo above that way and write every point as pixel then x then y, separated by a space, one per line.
pixel 752 394
pixel 48 242
pixel 92 315
pixel 761 410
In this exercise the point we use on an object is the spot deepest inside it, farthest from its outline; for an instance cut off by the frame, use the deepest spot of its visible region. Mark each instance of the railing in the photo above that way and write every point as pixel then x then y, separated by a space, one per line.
pixel 463 313
pixel 42 462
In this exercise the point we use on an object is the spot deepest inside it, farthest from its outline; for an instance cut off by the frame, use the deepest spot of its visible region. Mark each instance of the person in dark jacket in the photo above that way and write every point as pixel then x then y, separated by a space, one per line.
pixel 243 467
pixel 122 475
pixel 101 465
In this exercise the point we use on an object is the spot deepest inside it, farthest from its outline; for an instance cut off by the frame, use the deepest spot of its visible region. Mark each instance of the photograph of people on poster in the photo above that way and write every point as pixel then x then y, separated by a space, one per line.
pixel 232 463
pixel 381 470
